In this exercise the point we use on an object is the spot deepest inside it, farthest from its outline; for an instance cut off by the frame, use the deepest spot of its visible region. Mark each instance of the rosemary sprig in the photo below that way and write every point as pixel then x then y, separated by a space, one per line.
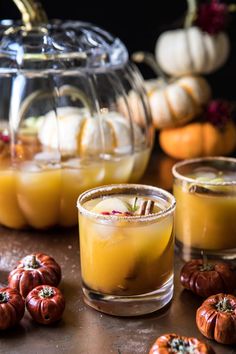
pixel 133 208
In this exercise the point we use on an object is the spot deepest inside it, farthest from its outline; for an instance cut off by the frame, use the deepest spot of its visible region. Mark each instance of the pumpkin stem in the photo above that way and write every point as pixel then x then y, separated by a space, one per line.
pixel 3 297
pixel 46 292
pixel 224 305
pixel 205 265
pixel 182 346
pixel 149 59
pixel 31 262
pixel 204 258
pixel 191 13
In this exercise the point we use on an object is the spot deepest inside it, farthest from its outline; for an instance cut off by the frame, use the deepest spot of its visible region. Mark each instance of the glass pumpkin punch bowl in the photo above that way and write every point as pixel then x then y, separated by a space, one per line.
pixel 66 124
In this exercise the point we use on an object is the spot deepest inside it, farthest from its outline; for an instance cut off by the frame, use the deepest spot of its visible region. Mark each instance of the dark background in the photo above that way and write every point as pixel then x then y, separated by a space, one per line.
pixel 138 26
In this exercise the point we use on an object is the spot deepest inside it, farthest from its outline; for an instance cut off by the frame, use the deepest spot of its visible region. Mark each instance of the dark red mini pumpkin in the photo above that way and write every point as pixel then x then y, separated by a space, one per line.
pixel 216 318
pixel 207 278
pixel 12 308
pixel 172 344
pixel 33 270
pixel 45 304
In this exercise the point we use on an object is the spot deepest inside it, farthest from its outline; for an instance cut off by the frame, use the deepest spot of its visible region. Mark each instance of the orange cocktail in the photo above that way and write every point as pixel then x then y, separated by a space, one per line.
pixel 205 191
pixel 30 185
pixel 126 255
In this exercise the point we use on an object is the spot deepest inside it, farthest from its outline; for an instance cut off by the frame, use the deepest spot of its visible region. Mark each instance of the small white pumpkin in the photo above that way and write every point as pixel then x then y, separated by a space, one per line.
pixel 191 51
pixel 178 102
pixel 172 104
pixel 75 131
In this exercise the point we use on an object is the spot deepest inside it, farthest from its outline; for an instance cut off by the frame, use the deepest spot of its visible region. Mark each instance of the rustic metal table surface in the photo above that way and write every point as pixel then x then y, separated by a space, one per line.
pixel 84 330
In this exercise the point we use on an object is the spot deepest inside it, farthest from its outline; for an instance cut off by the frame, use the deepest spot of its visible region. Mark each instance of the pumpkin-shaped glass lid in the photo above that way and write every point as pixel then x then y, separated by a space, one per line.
pixel 59 44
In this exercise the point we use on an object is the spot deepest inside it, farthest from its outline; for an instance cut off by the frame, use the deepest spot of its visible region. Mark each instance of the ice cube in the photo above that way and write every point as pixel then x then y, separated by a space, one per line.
pixel 72 163
pixel 30 167
pixel 205 173
pixel 47 156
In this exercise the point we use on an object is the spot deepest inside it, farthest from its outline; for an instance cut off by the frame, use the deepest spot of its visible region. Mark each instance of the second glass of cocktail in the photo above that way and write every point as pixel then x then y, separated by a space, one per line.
pixel 205 192
pixel 126 248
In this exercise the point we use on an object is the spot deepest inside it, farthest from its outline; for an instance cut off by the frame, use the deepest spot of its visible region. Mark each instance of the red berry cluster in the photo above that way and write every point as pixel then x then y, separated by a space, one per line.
pixel 218 112
pixel 212 17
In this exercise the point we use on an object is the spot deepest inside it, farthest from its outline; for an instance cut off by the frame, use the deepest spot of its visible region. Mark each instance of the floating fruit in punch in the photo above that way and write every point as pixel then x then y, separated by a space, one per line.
pixel 108 205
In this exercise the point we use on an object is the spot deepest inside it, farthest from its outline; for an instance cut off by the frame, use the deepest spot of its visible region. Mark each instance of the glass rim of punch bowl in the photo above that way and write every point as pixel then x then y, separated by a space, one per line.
pixel 118 189
pixel 209 162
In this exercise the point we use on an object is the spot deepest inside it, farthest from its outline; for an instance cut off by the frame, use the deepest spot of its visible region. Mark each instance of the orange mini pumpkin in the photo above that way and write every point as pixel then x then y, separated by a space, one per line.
pixel 198 139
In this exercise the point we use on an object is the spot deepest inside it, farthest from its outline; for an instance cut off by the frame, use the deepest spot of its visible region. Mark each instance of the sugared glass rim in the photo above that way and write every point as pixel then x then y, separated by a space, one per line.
pixel 104 191
pixel 180 164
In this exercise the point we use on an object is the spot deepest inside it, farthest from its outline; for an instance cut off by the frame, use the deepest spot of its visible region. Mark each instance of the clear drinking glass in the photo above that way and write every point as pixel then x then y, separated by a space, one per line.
pixel 126 258
pixel 205 192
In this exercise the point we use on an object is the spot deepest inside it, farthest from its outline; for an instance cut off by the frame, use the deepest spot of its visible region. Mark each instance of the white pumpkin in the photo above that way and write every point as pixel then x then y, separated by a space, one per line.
pixel 191 51
pixel 85 135
pixel 172 104
pixel 178 102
